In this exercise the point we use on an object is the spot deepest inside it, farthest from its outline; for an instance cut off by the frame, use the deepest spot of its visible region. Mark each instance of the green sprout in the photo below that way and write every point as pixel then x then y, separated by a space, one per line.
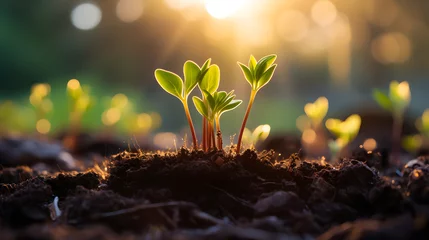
pixel 259 134
pixel 412 143
pixel 80 102
pixel 175 86
pixel 396 102
pixel 317 111
pixel 218 103
pixel 39 98
pixel 209 82
pixel 345 131
pixel 258 74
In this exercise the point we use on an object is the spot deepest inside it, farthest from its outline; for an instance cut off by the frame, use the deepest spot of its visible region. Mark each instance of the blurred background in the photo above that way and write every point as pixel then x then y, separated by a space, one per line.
pixel 334 48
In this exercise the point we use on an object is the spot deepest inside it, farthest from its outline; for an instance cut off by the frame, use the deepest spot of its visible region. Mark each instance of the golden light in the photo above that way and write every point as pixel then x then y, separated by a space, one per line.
pixel 41 90
pixel 370 144
pixel 403 91
pixel 73 84
pixel 144 121
pixel 292 25
pixel 254 31
pixel 129 10
pixel 86 16
pixel 309 136
pixel 181 4
pixel 156 120
pixel 323 12
pixel 119 101
pixel 43 126
pixel 392 47
pixel 221 9
pixel 111 116
pixel 82 103
pixel 46 105
pixel 303 123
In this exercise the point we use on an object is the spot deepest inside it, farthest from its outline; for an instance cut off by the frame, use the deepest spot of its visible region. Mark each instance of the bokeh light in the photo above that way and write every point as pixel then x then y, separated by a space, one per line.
pixel 165 140
pixel 119 101
pixel 309 136
pixel 369 144
pixel 292 25
pixel 323 12
pixel 393 47
pixel 111 116
pixel 86 16
pixel 43 126
pixel 129 10
pixel 73 84
pixel 221 9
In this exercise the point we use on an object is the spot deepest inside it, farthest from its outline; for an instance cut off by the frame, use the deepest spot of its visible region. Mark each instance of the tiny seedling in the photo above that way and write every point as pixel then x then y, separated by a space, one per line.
pixel 258 74
pixel 412 143
pixel 396 102
pixel 174 85
pixel 218 103
pixel 317 111
pixel 260 133
pixel 422 124
pixel 345 131
pixel 79 101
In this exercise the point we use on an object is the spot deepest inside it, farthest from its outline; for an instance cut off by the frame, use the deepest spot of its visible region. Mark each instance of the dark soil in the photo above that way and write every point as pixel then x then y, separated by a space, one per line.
pixel 216 195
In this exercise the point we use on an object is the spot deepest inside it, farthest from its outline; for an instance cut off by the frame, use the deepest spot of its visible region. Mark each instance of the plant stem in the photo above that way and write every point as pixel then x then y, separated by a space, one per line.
pixel 191 125
pixel 218 134
pixel 243 125
pixel 211 136
pixel 204 134
pixel 396 138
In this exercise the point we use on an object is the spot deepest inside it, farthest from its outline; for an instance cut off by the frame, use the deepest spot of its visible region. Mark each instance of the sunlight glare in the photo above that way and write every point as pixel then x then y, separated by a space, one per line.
pixel 292 25
pixel 221 9
pixel 323 12
pixel 129 10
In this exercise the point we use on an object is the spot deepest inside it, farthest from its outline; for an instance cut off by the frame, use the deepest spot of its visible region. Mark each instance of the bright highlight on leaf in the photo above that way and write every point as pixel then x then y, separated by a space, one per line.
pixel 259 134
pixel 398 98
pixel 345 131
pixel 317 111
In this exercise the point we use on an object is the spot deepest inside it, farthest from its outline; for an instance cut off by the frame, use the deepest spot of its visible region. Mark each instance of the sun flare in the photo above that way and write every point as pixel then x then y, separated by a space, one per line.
pixel 221 9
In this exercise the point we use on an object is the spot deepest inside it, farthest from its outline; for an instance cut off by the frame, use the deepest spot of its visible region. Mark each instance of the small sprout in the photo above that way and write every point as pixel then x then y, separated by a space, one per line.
pixel 345 131
pixel 174 85
pixel 412 143
pixel 422 123
pixel 317 111
pixel 257 74
pixel 79 100
pixel 218 103
pixel 258 135
pixel 396 102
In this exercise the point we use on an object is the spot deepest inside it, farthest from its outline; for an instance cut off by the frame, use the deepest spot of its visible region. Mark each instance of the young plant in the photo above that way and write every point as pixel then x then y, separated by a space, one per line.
pixel 39 98
pixel 218 103
pixel 317 111
pixel 260 133
pixel 175 86
pixel 345 131
pixel 208 82
pixel 396 101
pixel 80 101
pixel 258 74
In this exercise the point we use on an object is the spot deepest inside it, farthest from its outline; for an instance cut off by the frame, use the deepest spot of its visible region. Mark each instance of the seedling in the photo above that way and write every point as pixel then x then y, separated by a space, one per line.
pixel 175 86
pixel 218 103
pixel 79 101
pixel 317 111
pixel 422 124
pixel 396 102
pixel 412 143
pixel 345 131
pixel 258 74
pixel 258 135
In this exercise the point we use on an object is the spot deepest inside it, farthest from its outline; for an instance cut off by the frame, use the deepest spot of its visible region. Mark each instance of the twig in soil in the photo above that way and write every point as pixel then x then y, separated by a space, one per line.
pixel 236 199
pixel 143 207
pixel 207 217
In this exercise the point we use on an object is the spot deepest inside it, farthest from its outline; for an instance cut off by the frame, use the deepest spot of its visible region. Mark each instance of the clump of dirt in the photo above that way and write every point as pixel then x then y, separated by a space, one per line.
pixel 15 175
pixel 62 183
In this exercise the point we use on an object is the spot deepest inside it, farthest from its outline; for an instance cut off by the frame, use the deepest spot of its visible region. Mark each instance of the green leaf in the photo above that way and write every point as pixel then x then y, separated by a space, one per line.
pixel 266 77
pixel 211 79
pixel 247 73
pixel 200 106
pixel 170 82
pixel 231 106
pixel 210 99
pixel 382 99
pixel 191 71
pixel 252 63
pixel 263 64
pixel 206 65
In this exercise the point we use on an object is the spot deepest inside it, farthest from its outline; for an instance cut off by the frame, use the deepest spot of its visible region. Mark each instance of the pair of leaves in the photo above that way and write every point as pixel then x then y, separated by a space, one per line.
pixel 317 111
pixel 259 73
pixel 398 98
pixel 346 130
pixel 217 103
pixel 193 74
